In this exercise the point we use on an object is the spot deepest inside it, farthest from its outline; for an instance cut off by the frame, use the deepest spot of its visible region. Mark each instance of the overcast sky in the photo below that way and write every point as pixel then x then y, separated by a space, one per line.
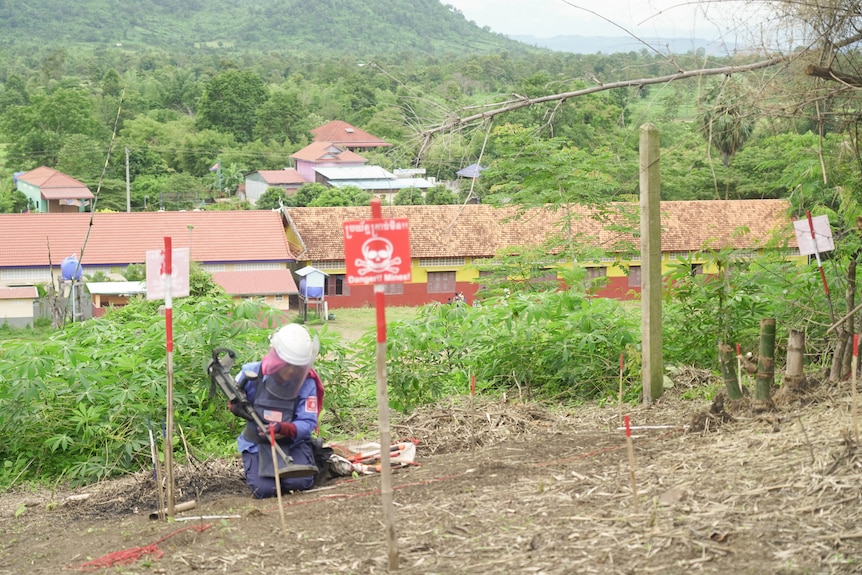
pixel 650 18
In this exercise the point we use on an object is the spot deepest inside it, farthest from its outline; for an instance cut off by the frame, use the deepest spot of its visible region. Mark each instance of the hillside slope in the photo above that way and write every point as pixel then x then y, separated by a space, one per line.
pixel 322 26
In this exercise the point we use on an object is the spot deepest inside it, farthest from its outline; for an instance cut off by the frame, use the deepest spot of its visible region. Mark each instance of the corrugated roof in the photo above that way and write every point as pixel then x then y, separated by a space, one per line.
pixel 257 283
pixel 116 288
pixel 56 185
pixel 30 240
pixel 332 173
pixel 339 132
pixel 478 230
pixel 327 152
pixel 395 184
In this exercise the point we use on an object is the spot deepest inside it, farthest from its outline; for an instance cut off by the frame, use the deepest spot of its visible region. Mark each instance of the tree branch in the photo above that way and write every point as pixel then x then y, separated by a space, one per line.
pixel 457 123
pixel 830 74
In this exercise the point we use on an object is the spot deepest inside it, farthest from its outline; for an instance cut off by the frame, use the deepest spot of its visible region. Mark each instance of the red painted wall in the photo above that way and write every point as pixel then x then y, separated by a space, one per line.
pixel 618 288
pixel 414 295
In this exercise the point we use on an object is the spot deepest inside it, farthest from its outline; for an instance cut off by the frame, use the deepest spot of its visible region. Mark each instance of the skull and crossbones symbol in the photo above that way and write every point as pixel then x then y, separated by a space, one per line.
pixel 378 257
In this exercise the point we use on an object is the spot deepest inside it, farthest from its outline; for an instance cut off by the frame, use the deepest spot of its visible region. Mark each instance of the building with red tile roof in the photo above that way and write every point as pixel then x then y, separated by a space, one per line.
pixel 259 182
pixel 17 306
pixel 446 240
pixel 242 242
pixel 344 135
pixel 48 190
pixel 324 155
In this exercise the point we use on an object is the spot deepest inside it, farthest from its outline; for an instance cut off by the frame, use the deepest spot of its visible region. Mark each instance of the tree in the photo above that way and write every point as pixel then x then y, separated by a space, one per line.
pixel 230 102
pixel 272 199
pixel 727 127
pixel 409 197
pixel 307 193
pixel 36 132
pixel 531 172
pixel 440 195
pixel 346 196
pixel 283 118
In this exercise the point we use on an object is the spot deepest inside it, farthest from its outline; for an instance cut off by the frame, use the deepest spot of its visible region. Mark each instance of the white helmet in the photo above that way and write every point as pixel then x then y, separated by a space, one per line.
pixel 294 345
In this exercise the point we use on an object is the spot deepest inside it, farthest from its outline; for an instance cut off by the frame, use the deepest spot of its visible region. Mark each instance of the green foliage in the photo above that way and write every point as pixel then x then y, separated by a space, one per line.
pixel 532 172
pixel 558 344
pixel 440 195
pixel 79 403
pixel 346 196
pixel 307 193
pixel 283 117
pixel 36 131
pixel 230 102
pixel 409 197
pixel 725 306
pixel 272 199
pixel 220 26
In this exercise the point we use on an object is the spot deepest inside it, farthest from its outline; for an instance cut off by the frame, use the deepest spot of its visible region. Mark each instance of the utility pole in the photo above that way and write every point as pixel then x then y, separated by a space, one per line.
pixel 128 189
pixel 652 370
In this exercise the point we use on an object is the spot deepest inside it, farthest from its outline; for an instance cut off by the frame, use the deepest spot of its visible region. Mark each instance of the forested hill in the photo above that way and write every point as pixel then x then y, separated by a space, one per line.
pixel 309 26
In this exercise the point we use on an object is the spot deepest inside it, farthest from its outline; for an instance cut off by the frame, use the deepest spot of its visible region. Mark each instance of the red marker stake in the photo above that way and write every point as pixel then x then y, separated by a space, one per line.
pixel 739 363
pixel 169 346
pixel 631 450
pixel 622 360
pixel 854 368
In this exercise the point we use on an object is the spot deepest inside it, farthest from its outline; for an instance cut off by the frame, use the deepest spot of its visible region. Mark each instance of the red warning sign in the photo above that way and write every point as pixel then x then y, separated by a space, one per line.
pixel 377 251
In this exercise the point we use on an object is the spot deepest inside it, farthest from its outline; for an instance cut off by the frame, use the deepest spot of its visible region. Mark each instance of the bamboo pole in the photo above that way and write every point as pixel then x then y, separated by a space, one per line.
pixel 725 361
pixel 766 362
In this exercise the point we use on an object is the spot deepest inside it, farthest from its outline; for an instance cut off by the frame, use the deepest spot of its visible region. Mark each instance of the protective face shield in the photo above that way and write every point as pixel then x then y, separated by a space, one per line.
pixel 291 355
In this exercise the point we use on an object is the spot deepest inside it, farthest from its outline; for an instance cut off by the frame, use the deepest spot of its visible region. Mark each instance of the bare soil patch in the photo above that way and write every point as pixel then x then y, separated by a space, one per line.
pixel 501 487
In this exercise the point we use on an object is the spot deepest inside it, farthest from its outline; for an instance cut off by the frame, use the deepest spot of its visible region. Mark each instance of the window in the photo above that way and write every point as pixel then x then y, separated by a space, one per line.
pixel 441 262
pixel 27 274
pixel 393 289
pixel 336 284
pixel 597 272
pixel 441 282
pixel 328 264
pixel 634 276
pixel 545 278
pixel 251 267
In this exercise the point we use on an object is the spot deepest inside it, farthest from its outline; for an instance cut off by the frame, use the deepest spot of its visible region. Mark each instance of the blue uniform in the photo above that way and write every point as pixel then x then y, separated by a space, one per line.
pixel 301 410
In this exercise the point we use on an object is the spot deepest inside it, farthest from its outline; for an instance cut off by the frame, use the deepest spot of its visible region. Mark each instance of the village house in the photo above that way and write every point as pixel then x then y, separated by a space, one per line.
pixel 246 251
pixel 256 183
pixel 48 190
pixel 347 137
pixel 332 160
pixel 446 240
pixel 18 306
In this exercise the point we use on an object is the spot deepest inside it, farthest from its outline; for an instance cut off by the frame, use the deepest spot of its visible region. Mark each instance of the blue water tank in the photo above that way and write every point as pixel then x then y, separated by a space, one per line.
pixel 310 292
pixel 70 268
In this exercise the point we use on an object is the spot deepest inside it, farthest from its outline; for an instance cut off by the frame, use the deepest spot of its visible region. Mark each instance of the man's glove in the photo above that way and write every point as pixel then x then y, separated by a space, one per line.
pixel 283 429
pixel 240 409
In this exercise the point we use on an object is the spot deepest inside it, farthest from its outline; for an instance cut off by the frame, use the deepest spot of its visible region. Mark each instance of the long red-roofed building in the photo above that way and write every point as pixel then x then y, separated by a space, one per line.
pixel 249 246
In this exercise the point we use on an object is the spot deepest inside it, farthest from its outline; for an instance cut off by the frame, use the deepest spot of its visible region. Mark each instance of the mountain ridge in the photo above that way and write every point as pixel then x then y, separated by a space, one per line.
pixel 322 26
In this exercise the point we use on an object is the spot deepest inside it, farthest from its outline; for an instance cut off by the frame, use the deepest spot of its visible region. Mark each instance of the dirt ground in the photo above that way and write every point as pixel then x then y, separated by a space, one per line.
pixel 501 487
